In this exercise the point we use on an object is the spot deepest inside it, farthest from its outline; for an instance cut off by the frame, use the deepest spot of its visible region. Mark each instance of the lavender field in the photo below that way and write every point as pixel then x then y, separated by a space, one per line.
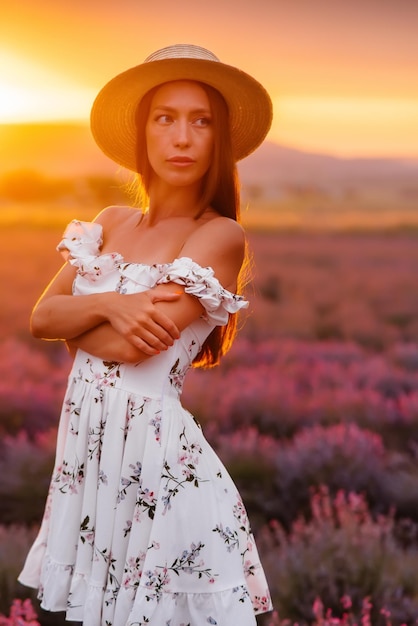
pixel 314 412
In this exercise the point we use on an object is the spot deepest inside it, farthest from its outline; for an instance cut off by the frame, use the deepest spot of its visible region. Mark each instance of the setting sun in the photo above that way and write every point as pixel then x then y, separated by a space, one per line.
pixel 30 92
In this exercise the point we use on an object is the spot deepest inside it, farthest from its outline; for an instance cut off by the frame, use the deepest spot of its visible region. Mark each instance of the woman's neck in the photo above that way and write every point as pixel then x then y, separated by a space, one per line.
pixel 167 201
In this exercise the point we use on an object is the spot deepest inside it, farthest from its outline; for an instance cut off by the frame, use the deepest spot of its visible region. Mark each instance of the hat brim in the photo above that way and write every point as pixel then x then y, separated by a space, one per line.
pixel 113 113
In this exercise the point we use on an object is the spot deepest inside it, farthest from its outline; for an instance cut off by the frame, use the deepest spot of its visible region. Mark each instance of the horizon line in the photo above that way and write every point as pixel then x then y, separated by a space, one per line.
pixel 83 122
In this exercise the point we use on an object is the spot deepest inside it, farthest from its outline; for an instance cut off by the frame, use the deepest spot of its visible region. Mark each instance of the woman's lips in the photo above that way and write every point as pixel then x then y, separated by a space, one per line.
pixel 181 160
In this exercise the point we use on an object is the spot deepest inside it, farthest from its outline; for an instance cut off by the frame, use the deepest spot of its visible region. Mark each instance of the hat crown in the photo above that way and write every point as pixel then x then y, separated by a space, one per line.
pixel 182 51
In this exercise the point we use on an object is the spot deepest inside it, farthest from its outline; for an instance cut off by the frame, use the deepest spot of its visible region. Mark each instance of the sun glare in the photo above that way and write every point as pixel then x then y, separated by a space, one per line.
pixel 32 93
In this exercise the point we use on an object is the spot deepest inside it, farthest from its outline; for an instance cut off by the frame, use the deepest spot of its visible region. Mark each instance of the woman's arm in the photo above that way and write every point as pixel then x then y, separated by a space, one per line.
pixel 60 315
pixel 105 343
pixel 219 244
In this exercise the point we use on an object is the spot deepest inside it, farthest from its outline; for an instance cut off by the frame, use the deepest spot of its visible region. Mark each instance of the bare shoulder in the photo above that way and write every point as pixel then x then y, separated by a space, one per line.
pixel 218 243
pixel 220 231
pixel 113 215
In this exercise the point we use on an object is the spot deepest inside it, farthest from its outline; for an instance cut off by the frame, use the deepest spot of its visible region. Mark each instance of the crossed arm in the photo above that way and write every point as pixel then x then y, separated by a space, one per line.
pixel 135 327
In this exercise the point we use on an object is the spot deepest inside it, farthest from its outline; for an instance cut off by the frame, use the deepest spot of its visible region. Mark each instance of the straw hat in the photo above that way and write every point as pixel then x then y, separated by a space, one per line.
pixel 113 113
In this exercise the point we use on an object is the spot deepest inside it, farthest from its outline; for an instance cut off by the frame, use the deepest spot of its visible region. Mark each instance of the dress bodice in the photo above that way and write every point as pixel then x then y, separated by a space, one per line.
pixel 101 272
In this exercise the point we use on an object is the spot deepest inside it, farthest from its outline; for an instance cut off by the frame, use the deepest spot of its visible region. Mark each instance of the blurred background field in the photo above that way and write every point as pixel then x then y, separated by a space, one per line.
pixel 315 409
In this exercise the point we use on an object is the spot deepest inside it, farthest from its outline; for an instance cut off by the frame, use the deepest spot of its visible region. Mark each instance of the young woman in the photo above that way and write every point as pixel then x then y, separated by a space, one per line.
pixel 143 525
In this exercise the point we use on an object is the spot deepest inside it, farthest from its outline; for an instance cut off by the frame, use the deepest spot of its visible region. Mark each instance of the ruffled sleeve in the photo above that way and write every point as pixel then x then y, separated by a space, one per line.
pixel 81 245
pixel 81 239
pixel 201 282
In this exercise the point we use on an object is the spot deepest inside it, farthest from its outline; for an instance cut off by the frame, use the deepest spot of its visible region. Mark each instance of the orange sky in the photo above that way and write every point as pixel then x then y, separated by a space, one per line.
pixel 343 74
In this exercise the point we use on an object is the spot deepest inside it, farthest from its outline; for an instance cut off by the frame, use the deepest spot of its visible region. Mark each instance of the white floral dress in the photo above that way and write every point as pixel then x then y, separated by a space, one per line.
pixel 143 525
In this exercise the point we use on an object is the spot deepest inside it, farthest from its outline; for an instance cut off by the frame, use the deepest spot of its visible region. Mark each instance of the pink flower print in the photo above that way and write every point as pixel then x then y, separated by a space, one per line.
pixel 145 503
pixel 127 528
pixel 190 455
pixel 187 563
pixel 243 591
pixel 187 460
pixel 187 473
pixel 126 583
pixel 148 496
pixel 229 536
pixel 176 376
pixel 177 381
pixel 240 515
pixel 249 568
pixel 70 477
pixel 157 580
pixel 133 571
pixel 156 423
pixel 102 478
pixel 87 531
pixel 262 603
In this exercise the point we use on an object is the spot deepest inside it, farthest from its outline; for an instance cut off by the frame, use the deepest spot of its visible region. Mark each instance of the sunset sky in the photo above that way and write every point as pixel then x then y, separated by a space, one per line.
pixel 343 74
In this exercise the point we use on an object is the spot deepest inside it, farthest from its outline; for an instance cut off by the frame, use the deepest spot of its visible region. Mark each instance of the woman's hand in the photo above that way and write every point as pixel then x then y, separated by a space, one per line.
pixel 139 322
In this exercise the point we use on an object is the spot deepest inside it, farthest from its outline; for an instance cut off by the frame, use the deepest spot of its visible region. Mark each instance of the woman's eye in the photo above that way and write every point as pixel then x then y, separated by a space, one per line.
pixel 164 119
pixel 202 122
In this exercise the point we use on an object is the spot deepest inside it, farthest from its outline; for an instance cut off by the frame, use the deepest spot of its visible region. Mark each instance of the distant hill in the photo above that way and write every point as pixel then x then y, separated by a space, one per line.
pixel 69 150
pixel 273 165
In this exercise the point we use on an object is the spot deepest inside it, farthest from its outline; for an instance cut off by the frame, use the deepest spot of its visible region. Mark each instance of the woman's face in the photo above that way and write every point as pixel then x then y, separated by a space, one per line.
pixel 179 133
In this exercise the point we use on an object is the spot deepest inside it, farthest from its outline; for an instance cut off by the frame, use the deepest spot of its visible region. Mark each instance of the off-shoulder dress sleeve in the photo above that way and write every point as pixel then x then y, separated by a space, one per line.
pixel 80 246
pixel 81 239
pixel 201 282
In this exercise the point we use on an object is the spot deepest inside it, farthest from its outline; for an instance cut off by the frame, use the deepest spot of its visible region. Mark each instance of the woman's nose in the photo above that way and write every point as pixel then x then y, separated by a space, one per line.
pixel 182 133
